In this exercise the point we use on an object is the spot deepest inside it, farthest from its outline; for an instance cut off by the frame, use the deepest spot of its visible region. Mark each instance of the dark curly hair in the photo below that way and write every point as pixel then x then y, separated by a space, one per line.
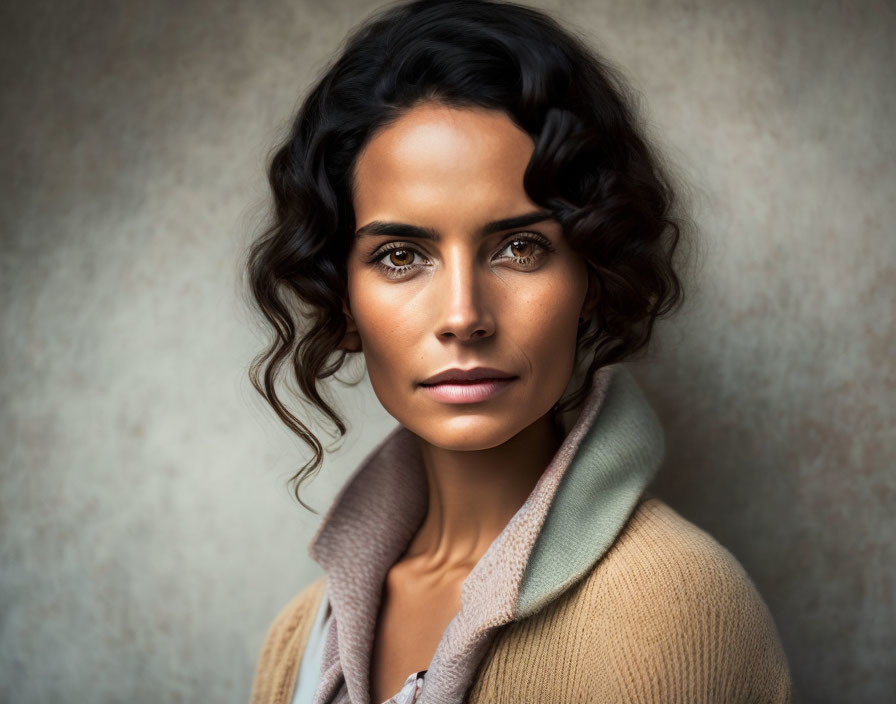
pixel 592 167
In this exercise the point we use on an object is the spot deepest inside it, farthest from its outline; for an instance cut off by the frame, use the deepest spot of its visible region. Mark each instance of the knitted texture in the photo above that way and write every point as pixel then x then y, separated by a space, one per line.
pixel 284 646
pixel 551 549
pixel 667 615
pixel 612 447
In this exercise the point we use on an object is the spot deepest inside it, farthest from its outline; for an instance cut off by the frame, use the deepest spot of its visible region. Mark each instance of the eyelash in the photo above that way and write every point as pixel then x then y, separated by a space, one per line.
pixel 396 272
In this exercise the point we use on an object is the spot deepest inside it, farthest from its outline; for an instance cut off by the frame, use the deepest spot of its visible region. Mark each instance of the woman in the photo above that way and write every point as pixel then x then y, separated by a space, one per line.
pixel 466 200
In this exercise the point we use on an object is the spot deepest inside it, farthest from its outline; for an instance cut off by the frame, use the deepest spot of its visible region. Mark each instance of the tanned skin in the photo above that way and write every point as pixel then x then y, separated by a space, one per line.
pixel 464 300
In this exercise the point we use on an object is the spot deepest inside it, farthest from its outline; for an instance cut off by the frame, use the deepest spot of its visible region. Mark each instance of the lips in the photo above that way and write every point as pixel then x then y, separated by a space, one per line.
pixel 467 376
pixel 467 386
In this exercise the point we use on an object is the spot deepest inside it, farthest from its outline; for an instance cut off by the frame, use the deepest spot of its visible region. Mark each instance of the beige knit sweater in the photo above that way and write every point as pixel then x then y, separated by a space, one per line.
pixel 668 615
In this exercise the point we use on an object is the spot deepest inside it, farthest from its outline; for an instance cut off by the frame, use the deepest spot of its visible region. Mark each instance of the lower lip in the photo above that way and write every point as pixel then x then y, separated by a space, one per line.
pixel 468 393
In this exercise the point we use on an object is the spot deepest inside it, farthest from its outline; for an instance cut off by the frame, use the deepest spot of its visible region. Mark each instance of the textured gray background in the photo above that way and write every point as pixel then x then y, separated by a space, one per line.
pixel 146 533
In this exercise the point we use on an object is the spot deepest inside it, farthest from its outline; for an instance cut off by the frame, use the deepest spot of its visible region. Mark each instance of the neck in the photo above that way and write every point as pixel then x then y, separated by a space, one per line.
pixel 473 494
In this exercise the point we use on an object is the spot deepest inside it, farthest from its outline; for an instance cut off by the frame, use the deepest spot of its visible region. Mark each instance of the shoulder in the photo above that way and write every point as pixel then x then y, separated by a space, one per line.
pixel 284 642
pixel 682 604
pixel 676 554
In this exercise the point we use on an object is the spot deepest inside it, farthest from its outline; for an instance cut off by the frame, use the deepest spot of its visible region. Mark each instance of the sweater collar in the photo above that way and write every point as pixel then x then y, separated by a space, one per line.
pixel 612 447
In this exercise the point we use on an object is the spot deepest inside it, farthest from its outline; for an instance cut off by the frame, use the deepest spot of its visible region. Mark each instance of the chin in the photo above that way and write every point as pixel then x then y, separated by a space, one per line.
pixel 470 431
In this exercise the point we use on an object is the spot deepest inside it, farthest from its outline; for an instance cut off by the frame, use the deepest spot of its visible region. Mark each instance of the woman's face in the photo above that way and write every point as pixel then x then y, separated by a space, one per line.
pixel 467 295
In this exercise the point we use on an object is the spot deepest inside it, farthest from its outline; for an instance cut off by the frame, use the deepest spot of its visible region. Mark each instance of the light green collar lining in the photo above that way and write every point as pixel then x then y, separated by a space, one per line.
pixel 617 459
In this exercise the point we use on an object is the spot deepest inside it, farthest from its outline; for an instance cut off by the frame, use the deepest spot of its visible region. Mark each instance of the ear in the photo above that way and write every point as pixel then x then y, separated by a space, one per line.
pixel 352 340
pixel 591 296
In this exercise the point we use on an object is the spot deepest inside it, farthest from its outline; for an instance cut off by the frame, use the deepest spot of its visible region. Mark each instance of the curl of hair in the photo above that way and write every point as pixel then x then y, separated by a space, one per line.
pixel 591 166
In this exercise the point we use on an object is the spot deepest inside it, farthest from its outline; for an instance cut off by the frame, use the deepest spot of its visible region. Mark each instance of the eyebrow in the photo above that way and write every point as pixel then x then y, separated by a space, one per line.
pixel 377 227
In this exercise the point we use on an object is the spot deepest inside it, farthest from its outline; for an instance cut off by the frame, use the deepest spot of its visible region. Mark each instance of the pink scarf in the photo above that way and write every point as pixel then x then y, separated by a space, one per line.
pixel 357 547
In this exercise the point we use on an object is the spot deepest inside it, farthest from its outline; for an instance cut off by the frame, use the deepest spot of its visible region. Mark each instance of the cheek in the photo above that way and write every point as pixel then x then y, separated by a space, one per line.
pixel 549 339
pixel 546 322
pixel 385 319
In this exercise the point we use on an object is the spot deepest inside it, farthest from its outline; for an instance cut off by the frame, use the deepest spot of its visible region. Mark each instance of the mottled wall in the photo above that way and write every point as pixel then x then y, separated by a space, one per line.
pixel 146 533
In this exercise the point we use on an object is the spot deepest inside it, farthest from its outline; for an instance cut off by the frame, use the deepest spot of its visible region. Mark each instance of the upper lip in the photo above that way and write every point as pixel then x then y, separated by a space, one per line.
pixel 474 374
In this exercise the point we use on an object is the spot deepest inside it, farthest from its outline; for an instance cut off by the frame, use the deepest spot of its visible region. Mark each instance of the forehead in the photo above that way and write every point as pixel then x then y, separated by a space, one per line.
pixel 436 156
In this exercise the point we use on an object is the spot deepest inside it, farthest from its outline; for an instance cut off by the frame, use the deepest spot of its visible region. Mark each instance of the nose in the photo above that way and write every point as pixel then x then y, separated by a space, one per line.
pixel 462 301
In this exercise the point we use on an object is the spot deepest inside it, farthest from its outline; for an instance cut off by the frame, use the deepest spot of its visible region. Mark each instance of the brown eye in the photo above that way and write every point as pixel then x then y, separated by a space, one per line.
pixel 397 261
pixel 401 257
pixel 526 252
pixel 525 245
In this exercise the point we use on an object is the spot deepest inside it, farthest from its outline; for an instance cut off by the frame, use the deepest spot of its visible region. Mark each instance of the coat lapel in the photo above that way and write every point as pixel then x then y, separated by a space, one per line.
pixel 612 449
